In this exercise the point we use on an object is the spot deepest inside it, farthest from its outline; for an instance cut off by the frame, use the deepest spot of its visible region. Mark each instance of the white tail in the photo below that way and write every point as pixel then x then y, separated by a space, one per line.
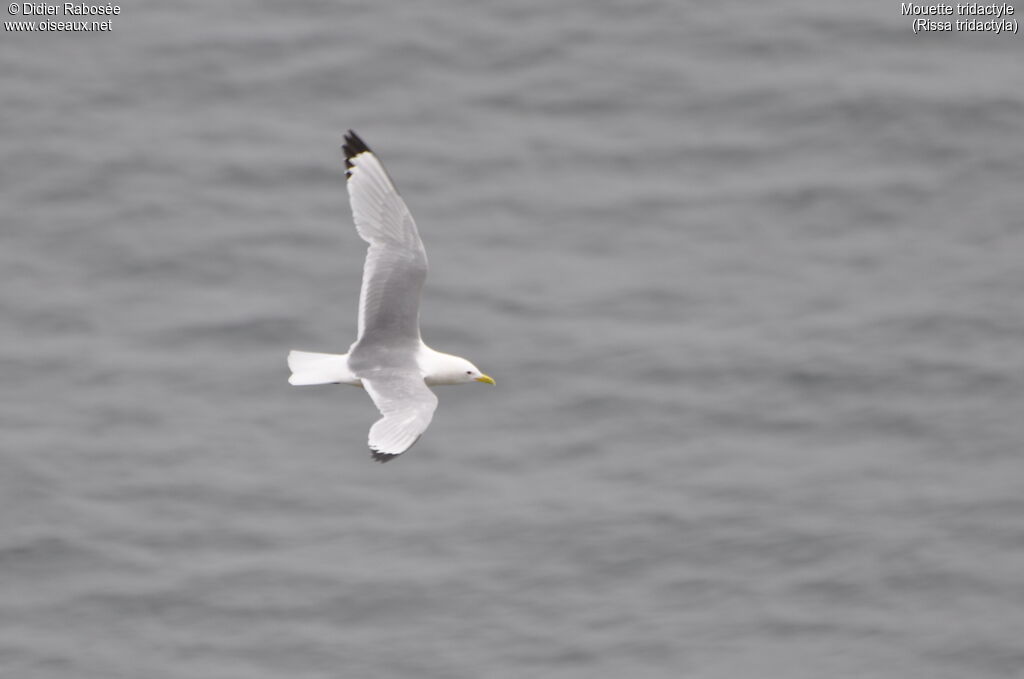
pixel 310 368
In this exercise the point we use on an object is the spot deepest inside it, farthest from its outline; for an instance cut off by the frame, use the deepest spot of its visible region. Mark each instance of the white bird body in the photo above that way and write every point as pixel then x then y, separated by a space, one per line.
pixel 388 358
pixel 312 368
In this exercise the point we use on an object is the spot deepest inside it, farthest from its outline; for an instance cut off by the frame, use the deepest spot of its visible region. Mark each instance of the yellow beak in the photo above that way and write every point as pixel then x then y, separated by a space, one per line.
pixel 485 378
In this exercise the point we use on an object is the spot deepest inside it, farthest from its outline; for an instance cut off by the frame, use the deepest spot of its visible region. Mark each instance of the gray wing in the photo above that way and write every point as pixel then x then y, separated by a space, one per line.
pixel 396 263
pixel 408 406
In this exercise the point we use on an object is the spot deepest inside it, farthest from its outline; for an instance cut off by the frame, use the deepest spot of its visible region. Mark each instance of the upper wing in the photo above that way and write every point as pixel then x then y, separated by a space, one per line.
pixel 408 406
pixel 396 263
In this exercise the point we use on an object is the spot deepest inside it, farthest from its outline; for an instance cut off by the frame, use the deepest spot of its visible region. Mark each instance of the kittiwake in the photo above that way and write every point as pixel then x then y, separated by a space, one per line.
pixel 388 358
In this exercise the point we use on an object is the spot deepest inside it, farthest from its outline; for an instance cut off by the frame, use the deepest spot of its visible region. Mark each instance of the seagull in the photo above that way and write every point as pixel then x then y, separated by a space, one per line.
pixel 388 358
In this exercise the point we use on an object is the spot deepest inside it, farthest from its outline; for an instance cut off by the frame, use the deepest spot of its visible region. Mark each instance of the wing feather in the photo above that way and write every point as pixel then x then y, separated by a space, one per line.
pixel 407 405
pixel 396 263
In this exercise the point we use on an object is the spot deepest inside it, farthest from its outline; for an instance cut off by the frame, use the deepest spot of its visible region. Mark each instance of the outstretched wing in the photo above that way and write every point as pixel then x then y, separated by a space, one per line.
pixel 396 263
pixel 408 406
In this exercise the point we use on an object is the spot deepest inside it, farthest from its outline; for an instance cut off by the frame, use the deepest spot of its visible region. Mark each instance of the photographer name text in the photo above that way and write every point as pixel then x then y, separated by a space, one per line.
pixel 66 9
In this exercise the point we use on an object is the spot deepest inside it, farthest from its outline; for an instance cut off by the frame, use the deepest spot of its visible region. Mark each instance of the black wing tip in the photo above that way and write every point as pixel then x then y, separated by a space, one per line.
pixel 352 147
pixel 387 457
pixel 382 457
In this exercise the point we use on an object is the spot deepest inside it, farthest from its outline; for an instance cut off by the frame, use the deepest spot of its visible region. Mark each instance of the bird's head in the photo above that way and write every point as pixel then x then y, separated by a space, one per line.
pixel 456 370
pixel 470 373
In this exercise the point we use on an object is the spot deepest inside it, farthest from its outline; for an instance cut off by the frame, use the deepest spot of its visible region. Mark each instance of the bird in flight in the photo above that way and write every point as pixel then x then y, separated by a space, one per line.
pixel 388 358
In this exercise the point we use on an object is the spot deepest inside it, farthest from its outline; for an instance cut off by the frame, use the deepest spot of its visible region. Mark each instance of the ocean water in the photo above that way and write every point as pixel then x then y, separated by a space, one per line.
pixel 748 276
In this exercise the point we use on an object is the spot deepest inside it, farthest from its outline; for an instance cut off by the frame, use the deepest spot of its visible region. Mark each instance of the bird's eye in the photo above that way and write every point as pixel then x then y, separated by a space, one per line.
pixel 469 372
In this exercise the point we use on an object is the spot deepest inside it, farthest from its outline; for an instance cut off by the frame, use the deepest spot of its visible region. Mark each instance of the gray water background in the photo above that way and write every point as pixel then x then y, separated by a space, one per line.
pixel 748 275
